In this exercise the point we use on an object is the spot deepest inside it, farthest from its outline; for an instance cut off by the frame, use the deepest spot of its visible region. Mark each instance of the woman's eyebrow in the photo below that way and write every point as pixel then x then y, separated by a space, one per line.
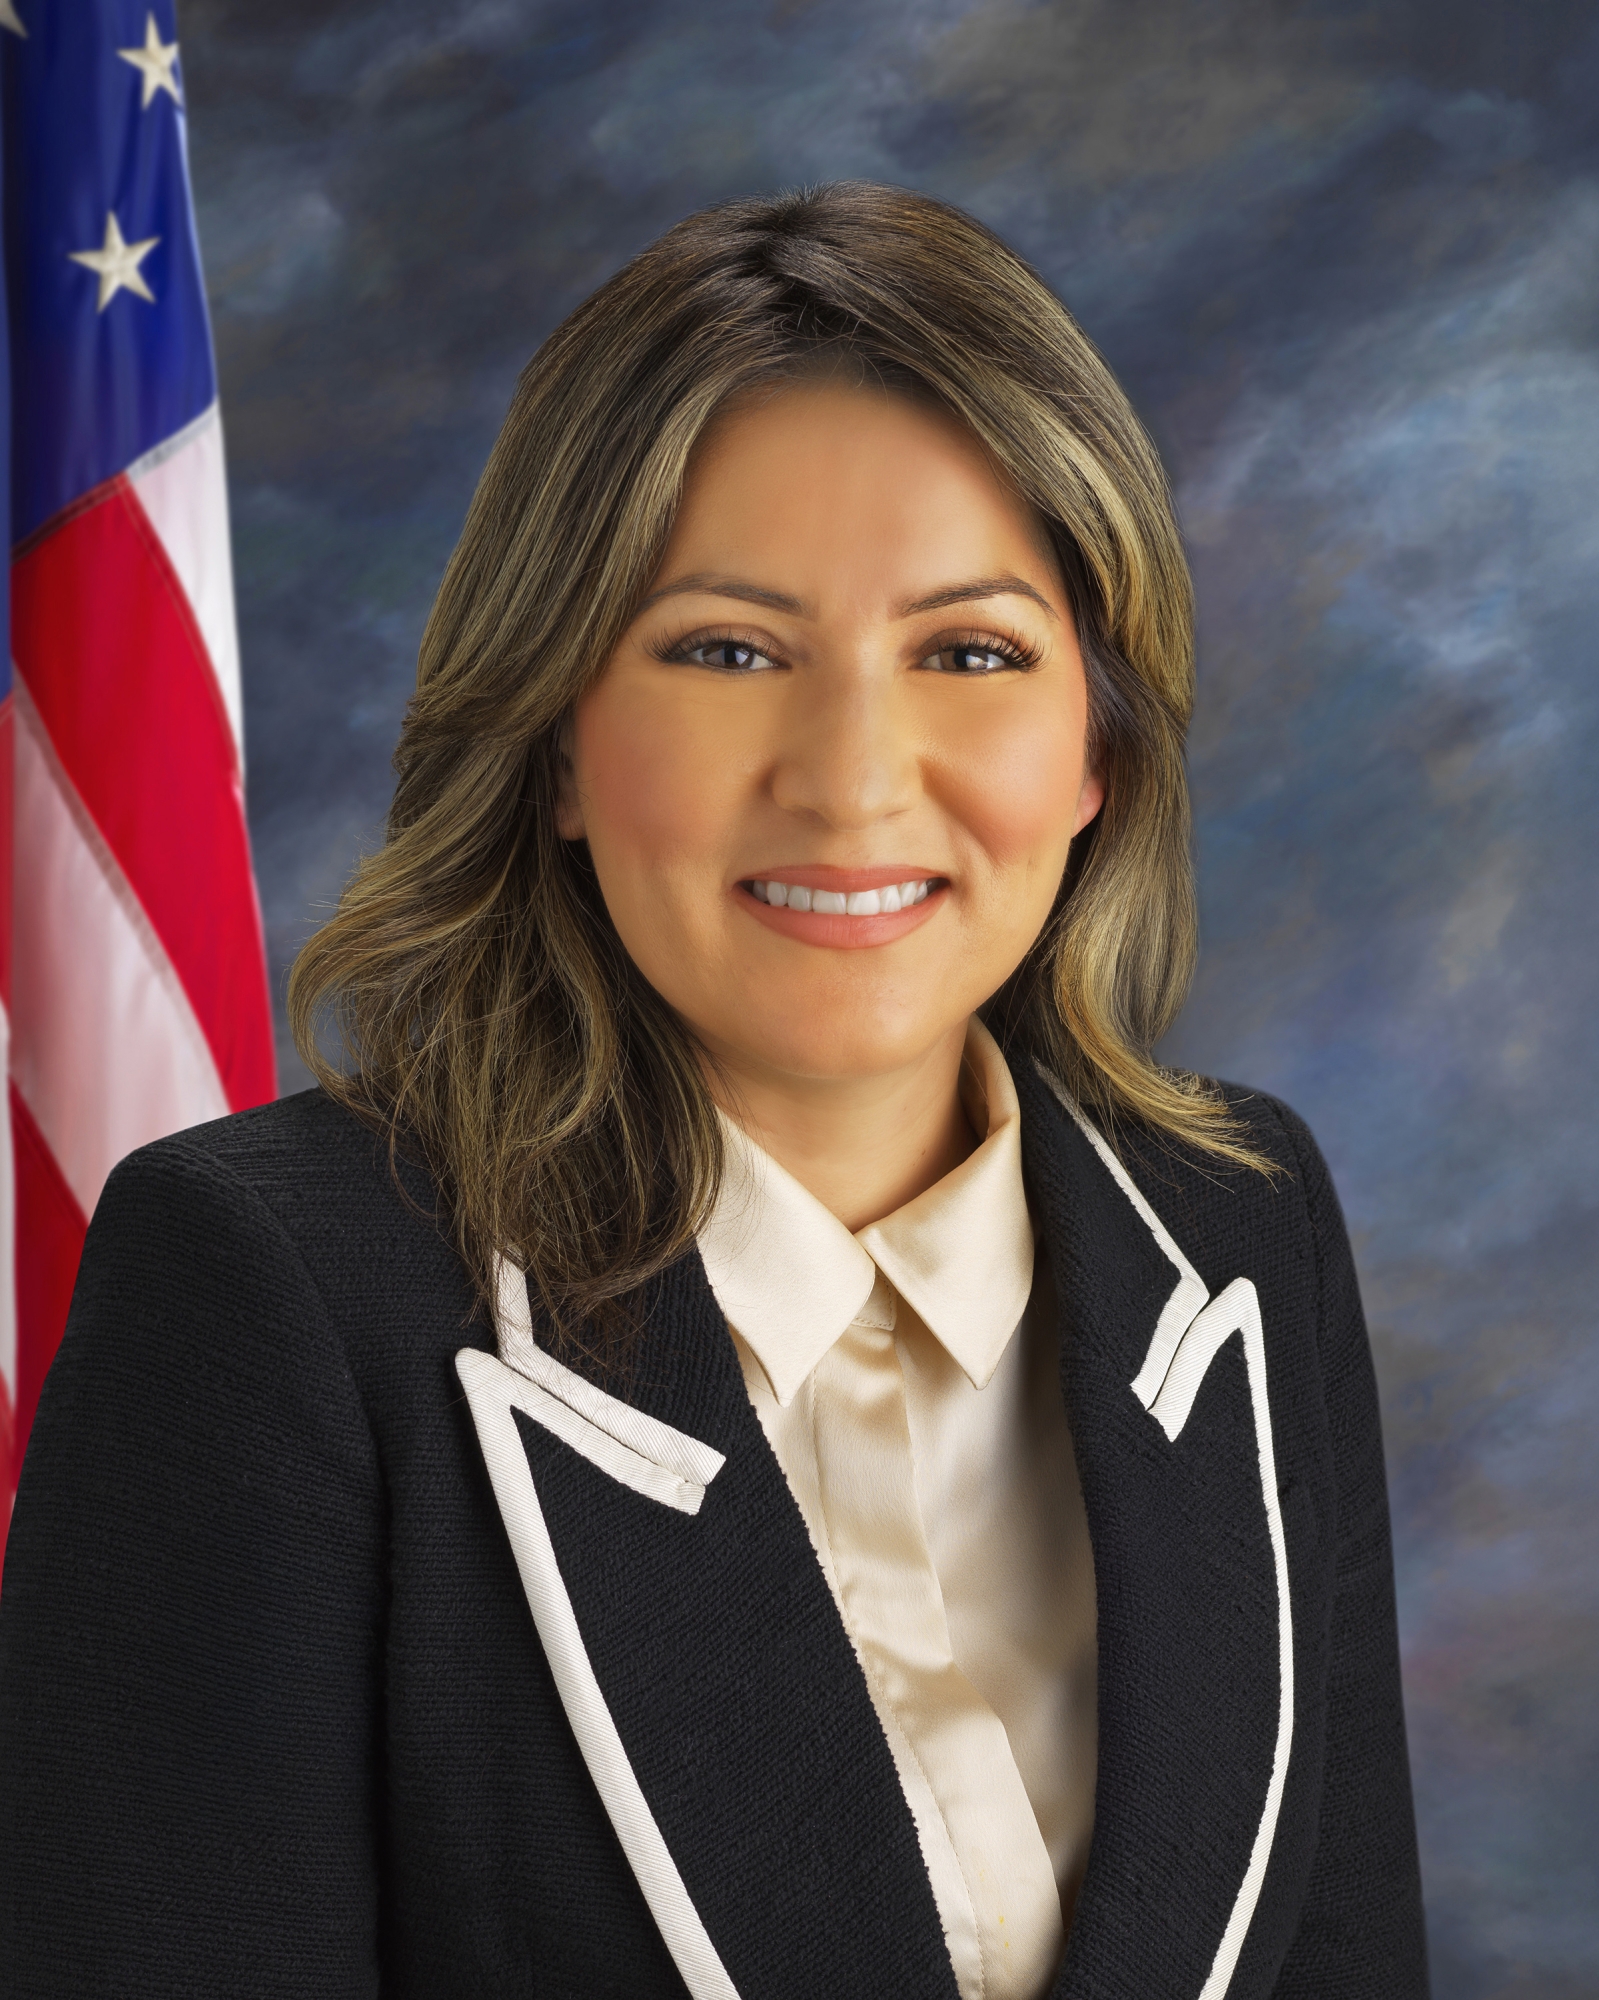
pixel 969 593
pixel 726 586
pixel 703 583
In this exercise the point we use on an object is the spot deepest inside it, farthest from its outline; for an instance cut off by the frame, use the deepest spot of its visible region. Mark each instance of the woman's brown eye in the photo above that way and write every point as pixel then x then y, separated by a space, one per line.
pixel 969 660
pixel 728 655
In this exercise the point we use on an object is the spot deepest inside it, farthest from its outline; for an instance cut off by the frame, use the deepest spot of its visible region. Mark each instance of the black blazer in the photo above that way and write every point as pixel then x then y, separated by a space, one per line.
pixel 275 1718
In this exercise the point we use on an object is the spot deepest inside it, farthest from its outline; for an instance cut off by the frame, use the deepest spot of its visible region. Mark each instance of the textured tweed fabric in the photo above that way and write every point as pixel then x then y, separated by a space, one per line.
pixel 274 1719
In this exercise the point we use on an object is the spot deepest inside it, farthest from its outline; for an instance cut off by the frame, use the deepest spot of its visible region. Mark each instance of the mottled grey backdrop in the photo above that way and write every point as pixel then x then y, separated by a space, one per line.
pixel 1344 257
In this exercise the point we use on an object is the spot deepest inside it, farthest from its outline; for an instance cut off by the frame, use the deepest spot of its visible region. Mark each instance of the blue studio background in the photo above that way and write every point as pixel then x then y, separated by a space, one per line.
pixel 1344 256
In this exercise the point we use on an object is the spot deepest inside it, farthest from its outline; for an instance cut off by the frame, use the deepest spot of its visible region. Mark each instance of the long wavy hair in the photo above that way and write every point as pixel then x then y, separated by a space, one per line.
pixel 472 987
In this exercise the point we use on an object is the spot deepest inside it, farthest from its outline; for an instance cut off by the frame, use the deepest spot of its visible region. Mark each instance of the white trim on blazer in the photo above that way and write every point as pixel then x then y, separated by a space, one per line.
pixel 1237 1310
pixel 641 1452
pixel 672 1468
pixel 1191 1331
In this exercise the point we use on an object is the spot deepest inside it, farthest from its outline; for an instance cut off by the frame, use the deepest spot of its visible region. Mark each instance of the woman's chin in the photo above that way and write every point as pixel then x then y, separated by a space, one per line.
pixel 821 1052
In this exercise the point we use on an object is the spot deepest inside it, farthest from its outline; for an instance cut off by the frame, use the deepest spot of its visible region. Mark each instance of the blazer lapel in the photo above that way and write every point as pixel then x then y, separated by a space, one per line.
pixel 703 1665
pixel 1167 1394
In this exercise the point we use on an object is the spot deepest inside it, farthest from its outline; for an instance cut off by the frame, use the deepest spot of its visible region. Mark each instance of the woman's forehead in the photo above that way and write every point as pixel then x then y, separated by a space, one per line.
pixel 816 483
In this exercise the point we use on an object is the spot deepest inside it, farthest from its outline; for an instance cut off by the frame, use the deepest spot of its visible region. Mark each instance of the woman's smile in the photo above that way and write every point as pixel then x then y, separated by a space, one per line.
pixel 843 909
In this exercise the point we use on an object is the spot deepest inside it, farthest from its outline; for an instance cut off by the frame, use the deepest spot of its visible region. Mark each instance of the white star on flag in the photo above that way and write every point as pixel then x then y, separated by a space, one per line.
pixel 10 18
pixel 154 61
pixel 117 264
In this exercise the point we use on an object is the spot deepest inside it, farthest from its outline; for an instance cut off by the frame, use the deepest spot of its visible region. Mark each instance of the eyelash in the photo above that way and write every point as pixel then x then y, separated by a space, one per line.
pixel 1018 657
pixel 675 652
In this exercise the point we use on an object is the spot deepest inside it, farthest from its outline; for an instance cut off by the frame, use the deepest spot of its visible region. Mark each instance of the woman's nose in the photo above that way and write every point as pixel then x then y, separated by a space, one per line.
pixel 847 756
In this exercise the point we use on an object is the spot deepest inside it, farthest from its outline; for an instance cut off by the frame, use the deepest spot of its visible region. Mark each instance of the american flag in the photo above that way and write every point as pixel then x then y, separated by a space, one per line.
pixel 131 961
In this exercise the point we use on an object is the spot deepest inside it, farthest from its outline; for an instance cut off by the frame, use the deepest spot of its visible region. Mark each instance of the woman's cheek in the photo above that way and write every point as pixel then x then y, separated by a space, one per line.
pixel 649 777
pixel 1013 785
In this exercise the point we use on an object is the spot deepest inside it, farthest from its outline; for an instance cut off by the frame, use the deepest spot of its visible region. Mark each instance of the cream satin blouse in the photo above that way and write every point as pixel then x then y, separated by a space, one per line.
pixel 908 1379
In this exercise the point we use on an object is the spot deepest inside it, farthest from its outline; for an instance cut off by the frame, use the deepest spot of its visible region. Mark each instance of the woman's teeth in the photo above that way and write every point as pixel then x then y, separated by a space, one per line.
pixel 830 903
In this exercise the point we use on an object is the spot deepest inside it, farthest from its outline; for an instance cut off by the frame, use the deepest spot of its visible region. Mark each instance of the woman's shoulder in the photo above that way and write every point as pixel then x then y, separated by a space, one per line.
pixel 304 1161
pixel 274 1150
pixel 1285 1158
pixel 1287 1179
pixel 1266 1219
pixel 1225 1214
pixel 299 1191
pixel 1275 1131
pixel 1298 1174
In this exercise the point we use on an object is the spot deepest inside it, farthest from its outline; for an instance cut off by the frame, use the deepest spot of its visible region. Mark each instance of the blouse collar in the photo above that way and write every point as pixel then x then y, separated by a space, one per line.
pixel 791 1278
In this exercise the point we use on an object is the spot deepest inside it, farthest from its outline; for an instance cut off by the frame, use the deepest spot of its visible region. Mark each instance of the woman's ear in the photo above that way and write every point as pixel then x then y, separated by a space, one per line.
pixel 568 806
pixel 1089 800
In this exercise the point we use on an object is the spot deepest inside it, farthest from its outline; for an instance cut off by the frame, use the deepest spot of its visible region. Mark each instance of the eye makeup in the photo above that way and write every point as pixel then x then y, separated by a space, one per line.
pixel 726 650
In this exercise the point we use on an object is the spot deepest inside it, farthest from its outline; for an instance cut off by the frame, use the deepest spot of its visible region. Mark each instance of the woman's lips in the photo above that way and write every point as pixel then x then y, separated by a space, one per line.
pixel 829 901
pixel 839 908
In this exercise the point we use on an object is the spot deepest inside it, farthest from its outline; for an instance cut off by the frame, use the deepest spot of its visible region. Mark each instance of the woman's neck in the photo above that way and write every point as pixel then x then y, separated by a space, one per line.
pixel 863 1146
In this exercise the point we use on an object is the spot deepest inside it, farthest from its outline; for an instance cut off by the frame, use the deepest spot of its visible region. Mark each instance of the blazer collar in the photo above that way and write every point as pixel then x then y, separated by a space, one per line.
pixel 702 1663
pixel 721 1709
pixel 1166 1389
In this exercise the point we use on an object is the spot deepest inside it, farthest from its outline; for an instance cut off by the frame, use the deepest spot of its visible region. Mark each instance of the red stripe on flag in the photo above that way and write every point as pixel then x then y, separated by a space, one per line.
pixel 10 1437
pixel 10 1465
pixel 8 807
pixel 107 646
pixel 50 1229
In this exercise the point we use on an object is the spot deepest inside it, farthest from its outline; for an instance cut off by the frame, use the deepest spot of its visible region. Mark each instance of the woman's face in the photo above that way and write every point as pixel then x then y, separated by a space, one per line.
pixel 830 775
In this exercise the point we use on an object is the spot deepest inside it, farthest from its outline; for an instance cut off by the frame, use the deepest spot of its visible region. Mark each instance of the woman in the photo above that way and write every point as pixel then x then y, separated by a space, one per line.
pixel 746 1440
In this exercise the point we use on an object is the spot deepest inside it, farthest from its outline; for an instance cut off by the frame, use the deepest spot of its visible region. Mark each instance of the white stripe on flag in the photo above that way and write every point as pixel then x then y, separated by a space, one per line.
pixel 109 1054
pixel 183 487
